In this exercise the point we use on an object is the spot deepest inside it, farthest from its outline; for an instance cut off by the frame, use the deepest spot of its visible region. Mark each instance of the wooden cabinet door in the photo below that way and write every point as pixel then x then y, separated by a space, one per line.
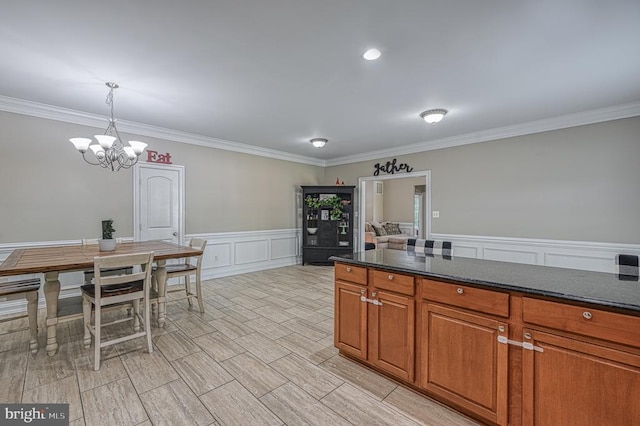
pixel 572 382
pixel 462 360
pixel 392 334
pixel 350 333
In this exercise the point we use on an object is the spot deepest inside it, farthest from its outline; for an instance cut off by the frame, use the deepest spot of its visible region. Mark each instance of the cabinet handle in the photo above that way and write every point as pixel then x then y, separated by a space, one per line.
pixel 501 329
pixel 390 277
pixel 527 336
pixel 587 315
pixel 374 294
pixel 348 268
pixel 460 290
pixel 363 291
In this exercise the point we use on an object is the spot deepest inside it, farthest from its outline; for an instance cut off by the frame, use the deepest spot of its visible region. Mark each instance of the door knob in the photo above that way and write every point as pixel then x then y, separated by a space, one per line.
pixel 175 234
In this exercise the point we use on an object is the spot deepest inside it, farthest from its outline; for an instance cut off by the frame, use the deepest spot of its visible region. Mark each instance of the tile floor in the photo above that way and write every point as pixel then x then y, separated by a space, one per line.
pixel 261 354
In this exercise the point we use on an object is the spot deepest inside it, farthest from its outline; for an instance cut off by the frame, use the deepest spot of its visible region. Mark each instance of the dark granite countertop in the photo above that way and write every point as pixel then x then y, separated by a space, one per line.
pixel 595 288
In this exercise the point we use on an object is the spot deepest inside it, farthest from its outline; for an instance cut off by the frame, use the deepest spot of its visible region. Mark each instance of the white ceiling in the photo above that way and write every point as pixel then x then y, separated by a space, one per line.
pixel 275 73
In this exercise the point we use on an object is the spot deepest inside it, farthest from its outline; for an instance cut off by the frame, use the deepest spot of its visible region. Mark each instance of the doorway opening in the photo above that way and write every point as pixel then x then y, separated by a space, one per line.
pixel 372 200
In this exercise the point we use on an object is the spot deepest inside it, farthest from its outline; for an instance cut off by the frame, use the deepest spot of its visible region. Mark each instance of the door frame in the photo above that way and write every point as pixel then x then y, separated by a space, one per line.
pixel 362 202
pixel 136 196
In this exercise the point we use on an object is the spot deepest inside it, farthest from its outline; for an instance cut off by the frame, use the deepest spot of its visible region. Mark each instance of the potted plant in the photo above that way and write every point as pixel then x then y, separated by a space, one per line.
pixel 334 202
pixel 107 243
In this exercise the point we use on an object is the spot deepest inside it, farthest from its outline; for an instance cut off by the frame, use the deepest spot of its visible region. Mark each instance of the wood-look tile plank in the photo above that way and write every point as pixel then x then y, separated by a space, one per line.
pixel 231 327
pixel 233 405
pixel 307 348
pixel 116 403
pixel 425 410
pixel 316 381
pixel 240 313
pixel 201 372
pixel 268 328
pixel 305 328
pixel 111 370
pixel 219 346
pixel 361 408
pixel 193 327
pixel 262 348
pixel 11 389
pixel 175 345
pixel 175 404
pixel 148 371
pixel 296 407
pixel 14 363
pixel 43 369
pixel 64 391
pixel 377 385
pixel 253 374
pixel 274 313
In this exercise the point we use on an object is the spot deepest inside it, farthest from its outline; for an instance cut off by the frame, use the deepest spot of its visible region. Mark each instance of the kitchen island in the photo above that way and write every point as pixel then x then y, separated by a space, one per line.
pixel 505 343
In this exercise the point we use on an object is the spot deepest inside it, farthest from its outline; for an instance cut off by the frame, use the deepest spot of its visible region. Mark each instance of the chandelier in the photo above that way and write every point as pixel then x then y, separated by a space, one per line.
pixel 110 152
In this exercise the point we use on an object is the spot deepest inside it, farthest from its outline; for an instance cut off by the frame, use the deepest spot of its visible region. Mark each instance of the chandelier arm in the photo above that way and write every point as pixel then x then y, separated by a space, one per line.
pixel 85 159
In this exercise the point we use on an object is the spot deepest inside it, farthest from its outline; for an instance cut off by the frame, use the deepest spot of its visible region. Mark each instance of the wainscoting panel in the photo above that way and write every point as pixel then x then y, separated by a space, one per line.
pixel 251 251
pixel 589 256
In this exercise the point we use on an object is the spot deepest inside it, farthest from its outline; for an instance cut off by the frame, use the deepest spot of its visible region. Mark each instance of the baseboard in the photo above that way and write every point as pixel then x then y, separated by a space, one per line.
pixel 585 255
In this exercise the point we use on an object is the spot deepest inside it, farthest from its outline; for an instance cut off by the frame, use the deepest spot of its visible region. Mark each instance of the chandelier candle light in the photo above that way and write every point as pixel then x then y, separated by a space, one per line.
pixel 110 151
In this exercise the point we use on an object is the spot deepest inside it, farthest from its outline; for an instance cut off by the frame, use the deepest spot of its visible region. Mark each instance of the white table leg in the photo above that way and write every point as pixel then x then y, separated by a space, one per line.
pixel 32 309
pixel 51 293
pixel 161 279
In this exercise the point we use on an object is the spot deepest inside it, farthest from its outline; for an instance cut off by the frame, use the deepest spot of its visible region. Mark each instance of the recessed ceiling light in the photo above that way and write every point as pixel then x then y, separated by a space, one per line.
pixel 371 54
pixel 318 142
pixel 433 116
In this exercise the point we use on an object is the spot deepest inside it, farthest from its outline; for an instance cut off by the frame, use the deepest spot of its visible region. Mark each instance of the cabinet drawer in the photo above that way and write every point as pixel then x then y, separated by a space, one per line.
pixel 590 322
pixel 354 274
pixel 477 299
pixel 392 281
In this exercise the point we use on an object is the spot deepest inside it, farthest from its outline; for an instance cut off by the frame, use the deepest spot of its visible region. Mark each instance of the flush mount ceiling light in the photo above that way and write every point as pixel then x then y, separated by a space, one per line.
pixel 371 54
pixel 432 116
pixel 110 152
pixel 318 142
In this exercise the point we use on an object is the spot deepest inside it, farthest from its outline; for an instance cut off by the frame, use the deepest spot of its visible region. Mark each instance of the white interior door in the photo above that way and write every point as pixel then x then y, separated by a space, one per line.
pixel 158 202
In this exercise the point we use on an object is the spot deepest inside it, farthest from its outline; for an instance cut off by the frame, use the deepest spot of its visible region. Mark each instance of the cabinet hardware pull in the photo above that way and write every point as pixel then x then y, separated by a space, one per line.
pixel 363 291
pixel 390 277
pixel 587 315
pixel 460 290
pixel 348 268
pixel 374 294
pixel 525 345
pixel 501 329
pixel 527 336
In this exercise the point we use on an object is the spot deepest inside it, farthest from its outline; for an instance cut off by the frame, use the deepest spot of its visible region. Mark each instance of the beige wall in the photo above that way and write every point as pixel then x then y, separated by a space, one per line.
pixel 580 183
pixel 399 199
pixel 49 193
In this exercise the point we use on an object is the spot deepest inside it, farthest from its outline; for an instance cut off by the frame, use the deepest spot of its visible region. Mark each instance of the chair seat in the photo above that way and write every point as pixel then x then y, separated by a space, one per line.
pixel 179 268
pixel 16 287
pixel 114 289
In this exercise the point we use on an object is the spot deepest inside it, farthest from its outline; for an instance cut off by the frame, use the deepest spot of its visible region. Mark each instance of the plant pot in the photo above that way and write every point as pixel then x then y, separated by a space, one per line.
pixel 107 245
pixel 312 231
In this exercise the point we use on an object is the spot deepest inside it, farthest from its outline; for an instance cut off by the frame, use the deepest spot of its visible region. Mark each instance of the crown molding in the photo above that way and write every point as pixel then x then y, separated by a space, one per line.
pixel 34 109
pixel 555 123
pixel 20 106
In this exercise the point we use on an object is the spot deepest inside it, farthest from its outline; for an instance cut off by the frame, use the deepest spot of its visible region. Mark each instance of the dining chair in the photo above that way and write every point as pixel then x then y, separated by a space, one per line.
pixel 187 270
pixel 115 290
pixel 88 274
pixel 28 288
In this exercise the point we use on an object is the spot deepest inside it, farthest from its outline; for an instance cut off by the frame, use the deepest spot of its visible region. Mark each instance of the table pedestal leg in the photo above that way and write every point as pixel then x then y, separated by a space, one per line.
pixel 32 309
pixel 161 279
pixel 51 293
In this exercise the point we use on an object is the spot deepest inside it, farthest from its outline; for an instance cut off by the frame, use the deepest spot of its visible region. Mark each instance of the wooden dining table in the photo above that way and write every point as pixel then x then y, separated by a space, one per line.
pixel 52 260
